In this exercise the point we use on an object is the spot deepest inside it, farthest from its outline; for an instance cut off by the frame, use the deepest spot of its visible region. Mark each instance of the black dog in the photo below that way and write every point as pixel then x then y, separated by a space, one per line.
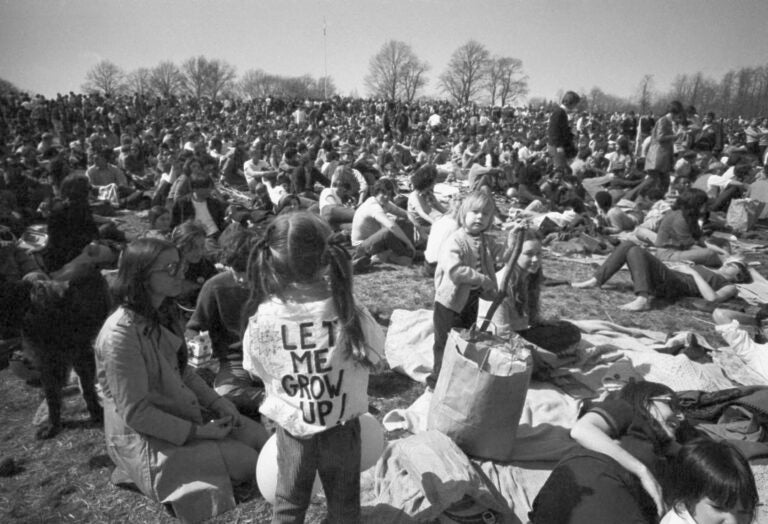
pixel 60 323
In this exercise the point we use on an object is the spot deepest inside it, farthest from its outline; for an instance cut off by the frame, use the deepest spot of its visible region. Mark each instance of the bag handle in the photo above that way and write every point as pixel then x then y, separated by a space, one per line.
pixel 517 247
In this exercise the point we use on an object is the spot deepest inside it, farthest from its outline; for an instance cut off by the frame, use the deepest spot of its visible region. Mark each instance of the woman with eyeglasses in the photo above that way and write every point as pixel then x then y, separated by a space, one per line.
pixel 625 443
pixel 167 432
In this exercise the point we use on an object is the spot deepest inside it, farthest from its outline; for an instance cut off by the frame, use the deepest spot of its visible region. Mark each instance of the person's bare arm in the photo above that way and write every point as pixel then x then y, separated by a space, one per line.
pixel 592 432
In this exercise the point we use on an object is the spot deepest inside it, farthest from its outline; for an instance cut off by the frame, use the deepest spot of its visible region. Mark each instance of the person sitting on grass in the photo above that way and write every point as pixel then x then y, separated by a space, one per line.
pixel 189 239
pixel 110 181
pixel 520 311
pixel 680 238
pixel 652 278
pixel 218 311
pixel 423 207
pixel 612 219
pixel 376 237
pixel 168 433
pixel 202 207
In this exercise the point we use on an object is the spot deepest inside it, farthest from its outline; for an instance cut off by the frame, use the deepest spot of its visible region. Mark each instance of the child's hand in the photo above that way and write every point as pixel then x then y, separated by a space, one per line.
pixel 488 285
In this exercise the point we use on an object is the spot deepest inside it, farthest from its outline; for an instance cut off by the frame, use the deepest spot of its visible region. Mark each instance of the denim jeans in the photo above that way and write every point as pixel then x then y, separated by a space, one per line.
pixel 650 276
pixel 335 455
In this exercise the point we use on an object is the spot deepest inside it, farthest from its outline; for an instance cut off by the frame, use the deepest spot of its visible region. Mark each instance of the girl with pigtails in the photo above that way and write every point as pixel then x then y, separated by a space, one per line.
pixel 313 347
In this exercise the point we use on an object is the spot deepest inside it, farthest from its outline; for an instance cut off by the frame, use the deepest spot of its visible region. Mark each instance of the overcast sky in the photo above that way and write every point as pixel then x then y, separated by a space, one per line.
pixel 49 45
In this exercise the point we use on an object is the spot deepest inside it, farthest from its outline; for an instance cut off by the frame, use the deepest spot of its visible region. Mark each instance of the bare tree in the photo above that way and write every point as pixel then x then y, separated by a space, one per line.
pixel 195 75
pixel 645 93
pixel 166 79
pixel 221 77
pixel 138 81
pixel 414 79
pixel 206 77
pixel 463 79
pixel 504 77
pixel 255 83
pixel 395 72
pixel 106 78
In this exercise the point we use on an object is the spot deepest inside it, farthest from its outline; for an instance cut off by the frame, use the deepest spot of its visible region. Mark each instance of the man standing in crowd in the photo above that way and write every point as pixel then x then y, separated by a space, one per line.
pixel 560 138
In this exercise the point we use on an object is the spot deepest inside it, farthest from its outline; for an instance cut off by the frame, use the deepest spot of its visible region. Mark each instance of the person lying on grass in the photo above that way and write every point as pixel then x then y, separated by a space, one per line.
pixel 651 278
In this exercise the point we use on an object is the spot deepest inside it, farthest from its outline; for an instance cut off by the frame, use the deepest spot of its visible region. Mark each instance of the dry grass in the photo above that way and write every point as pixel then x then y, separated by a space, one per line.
pixel 67 479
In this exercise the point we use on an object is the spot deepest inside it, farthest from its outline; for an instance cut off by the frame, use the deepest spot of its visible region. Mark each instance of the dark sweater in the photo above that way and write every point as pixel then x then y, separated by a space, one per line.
pixel 218 311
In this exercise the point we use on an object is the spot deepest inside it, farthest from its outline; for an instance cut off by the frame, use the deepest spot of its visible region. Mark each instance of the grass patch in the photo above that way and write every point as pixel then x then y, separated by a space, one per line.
pixel 66 479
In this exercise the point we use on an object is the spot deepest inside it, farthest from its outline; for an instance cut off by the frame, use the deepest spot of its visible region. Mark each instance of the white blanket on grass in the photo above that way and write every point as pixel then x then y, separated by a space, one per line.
pixel 543 435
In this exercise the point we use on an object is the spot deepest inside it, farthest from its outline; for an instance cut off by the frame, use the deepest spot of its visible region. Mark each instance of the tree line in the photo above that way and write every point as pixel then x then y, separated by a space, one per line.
pixel 200 77
pixel 472 75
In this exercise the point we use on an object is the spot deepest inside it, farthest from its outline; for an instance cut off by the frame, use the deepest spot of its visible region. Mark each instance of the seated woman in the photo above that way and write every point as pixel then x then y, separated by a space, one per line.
pixel 189 239
pixel 680 237
pixel 520 311
pixel 423 207
pixel 651 277
pixel 167 432
pixel 218 311
pixel 710 483
pixel 611 478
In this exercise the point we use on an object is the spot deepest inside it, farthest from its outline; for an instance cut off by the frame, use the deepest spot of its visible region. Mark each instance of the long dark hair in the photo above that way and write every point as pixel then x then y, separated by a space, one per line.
pixel 296 248
pixel 523 286
pixel 639 395
pixel 130 288
pixel 690 203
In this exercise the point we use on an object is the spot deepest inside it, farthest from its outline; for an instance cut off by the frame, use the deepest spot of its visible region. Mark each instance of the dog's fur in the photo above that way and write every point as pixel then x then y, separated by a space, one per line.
pixel 60 323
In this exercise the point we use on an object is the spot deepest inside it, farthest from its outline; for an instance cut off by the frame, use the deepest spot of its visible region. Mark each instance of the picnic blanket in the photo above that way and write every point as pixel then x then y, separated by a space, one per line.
pixel 549 413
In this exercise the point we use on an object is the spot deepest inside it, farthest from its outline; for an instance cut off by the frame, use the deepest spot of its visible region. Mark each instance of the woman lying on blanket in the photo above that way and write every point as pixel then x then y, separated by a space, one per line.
pixel 611 477
pixel 520 311
pixel 651 277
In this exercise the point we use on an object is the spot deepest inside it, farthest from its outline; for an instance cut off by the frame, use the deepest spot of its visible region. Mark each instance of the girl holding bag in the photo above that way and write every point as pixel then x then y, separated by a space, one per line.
pixel 464 273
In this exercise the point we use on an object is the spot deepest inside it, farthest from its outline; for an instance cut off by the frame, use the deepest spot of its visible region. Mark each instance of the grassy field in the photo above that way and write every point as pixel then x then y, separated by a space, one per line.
pixel 66 479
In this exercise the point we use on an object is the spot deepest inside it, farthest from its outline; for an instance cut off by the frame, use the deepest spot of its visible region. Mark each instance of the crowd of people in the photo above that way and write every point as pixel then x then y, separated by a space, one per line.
pixel 259 212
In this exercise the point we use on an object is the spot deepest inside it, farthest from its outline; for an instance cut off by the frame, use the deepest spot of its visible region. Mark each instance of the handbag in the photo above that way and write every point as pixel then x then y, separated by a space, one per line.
pixel 480 393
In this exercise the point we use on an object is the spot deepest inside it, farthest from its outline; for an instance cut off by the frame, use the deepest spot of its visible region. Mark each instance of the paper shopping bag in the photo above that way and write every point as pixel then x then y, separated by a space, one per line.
pixel 480 393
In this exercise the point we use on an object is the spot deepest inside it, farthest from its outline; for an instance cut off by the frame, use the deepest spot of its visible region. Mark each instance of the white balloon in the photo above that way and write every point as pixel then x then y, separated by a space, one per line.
pixel 372 441
pixel 266 472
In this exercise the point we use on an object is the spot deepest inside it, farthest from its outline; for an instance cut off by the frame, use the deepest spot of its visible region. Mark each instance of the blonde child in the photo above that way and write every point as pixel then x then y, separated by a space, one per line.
pixel 312 347
pixel 465 272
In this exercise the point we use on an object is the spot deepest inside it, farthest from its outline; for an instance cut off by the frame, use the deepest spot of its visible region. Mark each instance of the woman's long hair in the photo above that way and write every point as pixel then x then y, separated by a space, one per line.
pixel 639 395
pixel 131 287
pixel 525 287
pixel 690 203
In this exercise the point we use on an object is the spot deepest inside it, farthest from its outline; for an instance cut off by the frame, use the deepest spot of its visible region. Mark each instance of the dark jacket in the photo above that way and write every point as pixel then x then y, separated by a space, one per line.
pixel 183 210
pixel 559 132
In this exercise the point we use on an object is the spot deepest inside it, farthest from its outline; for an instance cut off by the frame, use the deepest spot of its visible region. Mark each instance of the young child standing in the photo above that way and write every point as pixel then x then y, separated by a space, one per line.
pixel 465 272
pixel 312 347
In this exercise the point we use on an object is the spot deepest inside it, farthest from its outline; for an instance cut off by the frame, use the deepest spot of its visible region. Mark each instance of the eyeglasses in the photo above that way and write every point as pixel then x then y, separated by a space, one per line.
pixel 172 269
pixel 671 400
